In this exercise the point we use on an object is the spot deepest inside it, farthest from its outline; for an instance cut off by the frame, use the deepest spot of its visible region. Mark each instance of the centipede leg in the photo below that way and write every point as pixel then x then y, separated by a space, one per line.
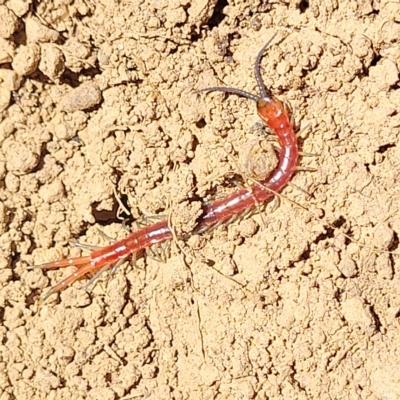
pixel 159 253
pixel 246 214
pixel 115 267
pixel 103 269
pixel 276 148
pixel 95 277
pixel 304 168
pixel 106 237
pixel 275 203
pixel 290 111
pixel 232 219
pixel 300 132
pixel 261 129
pixel 299 188
pixel 83 245
pixel 151 253
pixel 301 153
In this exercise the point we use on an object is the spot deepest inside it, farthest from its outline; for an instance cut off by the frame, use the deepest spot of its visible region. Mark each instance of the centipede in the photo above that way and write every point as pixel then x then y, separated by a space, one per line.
pixel 276 117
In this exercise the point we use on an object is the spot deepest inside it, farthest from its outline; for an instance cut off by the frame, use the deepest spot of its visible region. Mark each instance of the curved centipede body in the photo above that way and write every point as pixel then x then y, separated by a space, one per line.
pixel 275 116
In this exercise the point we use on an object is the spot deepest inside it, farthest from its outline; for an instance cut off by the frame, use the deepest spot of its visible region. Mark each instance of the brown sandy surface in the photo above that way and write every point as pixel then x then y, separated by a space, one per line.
pixel 98 100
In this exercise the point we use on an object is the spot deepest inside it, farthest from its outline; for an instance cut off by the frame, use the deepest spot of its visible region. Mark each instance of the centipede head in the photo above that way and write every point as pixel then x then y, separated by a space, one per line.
pixel 271 110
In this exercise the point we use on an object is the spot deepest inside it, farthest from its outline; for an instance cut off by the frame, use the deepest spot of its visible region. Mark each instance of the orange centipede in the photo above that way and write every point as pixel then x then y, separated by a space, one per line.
pixel 276 117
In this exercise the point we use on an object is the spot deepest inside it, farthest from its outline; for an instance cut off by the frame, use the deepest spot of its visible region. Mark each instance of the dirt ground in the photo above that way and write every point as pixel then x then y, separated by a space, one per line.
pixel 99 108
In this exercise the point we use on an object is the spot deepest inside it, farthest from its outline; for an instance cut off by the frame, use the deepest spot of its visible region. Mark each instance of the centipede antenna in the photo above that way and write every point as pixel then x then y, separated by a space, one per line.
pixel 239 92
pixel 264 92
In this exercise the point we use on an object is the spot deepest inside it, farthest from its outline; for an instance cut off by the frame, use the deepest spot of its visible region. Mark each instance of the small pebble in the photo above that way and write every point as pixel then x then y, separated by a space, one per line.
pixel 7 51
pixel 38 33
pixel 248 228
pixel 348 267
pixel 52 192
pixel 18 7
pixel 357 314
pixel 9 22
pixel 51 61
pixel 383 237
pixel 5 98
pixel 83 97
pixel 20 160
pixel 10 79
pixel 27 60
